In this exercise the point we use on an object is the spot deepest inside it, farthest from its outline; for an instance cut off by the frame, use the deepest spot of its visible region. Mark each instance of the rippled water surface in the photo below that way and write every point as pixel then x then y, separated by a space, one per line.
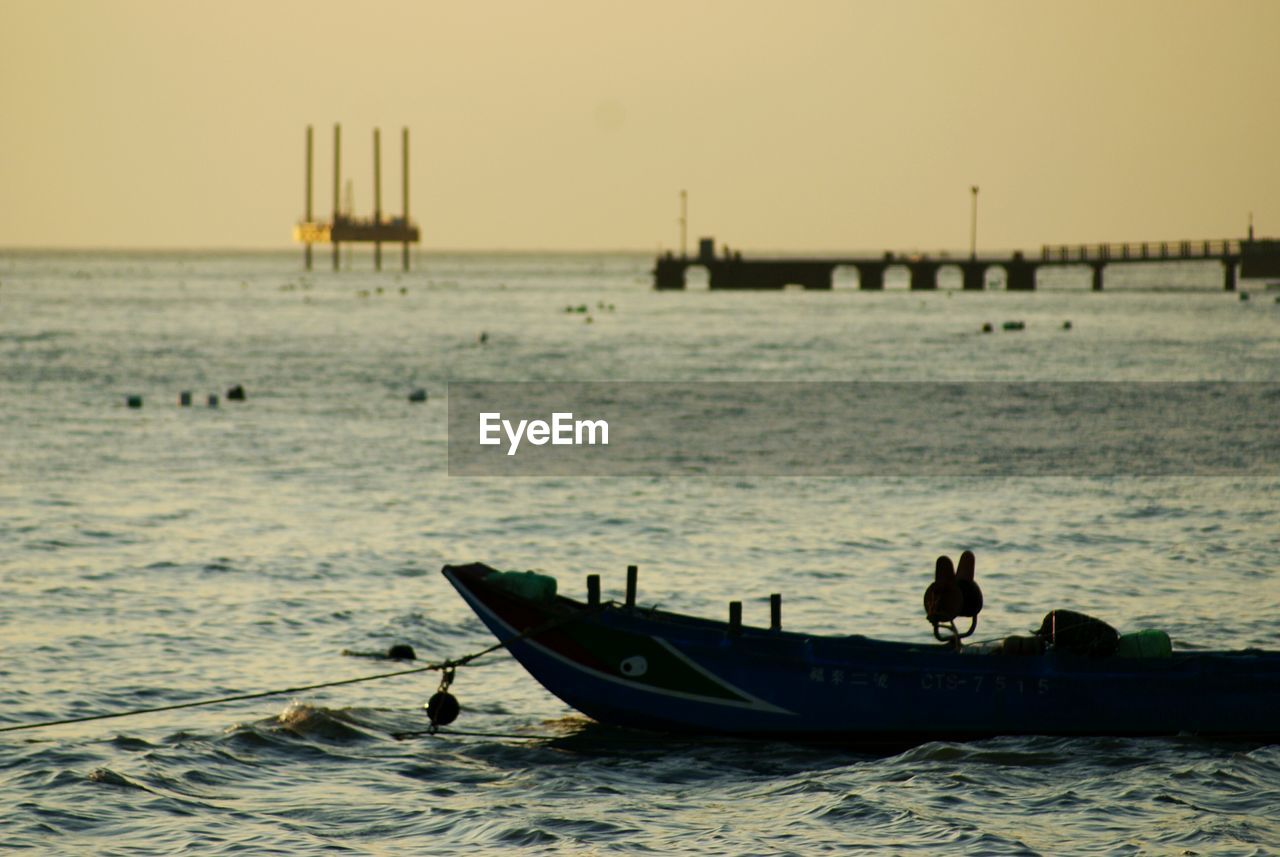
pixel 159 555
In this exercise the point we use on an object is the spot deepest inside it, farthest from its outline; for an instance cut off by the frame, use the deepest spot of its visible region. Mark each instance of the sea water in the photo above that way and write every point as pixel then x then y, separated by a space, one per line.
pixel 164 554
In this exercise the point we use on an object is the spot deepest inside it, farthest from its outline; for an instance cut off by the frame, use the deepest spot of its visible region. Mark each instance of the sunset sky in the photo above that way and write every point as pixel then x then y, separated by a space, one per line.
pixel 574 124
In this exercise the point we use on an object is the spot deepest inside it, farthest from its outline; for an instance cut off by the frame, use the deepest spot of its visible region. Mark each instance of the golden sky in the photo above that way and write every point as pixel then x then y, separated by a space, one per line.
pixel 574 124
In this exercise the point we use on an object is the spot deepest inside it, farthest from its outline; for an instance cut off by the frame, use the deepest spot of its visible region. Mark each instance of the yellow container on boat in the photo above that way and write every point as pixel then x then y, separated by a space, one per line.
pixel 526 584
pixel 1144 644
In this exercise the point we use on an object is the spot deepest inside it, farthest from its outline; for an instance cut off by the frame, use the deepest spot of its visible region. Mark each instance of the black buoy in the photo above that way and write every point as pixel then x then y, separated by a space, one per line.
pixel 442 708
pixel 484 337
pixel 1066 325
pixel 418 395
pixel 943 600
pixel 213 400
pixel 184 398
pixel 971 594
pixel 986 327
pixel 235 394
pixel 401 652
pixel 133 401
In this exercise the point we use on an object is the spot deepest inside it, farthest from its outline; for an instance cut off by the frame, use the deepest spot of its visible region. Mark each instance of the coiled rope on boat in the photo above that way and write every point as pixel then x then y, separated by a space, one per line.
pixel 446 667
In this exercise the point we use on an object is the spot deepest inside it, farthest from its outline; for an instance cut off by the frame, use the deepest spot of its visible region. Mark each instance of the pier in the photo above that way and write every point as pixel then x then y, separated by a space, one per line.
pixel 343 226
pixel 1248 257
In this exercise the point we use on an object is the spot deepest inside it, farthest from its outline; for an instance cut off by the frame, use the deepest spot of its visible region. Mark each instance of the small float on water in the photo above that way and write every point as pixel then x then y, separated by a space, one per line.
pixel 628 666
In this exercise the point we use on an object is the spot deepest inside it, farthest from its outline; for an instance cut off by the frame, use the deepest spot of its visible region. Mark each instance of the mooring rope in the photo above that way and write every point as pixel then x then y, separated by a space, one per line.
pixel 241 697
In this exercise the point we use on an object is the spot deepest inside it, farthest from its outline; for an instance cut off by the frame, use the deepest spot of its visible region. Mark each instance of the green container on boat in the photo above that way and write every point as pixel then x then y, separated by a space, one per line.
pixel 1144 644
pixel 526 584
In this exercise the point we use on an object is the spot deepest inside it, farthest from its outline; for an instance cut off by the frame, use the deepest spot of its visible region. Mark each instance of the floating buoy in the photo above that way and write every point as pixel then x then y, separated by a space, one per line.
pixel 133 401
pixel 184 398
pixel 418 395
pixel 213 400
pixel 235 394
pixel 1014 325
pixel 1066 325
pixel 987 328
pixel 442 708
pixel 484 337
pixel 1244 296
pixel 401 652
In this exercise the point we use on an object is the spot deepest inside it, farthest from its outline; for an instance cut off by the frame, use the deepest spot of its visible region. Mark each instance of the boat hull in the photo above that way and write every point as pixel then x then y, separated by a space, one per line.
pixel 662 671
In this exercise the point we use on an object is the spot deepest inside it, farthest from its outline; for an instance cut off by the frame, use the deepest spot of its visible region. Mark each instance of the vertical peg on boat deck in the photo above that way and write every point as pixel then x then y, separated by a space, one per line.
pixel 593 590
pixel 632 571
pixel 735 617
pixel 775 612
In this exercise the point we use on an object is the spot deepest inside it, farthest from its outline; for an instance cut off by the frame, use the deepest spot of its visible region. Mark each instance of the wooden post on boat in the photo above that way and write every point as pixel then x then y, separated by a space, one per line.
pixel 632 571
pixel 735 617
pixel 593 590
pixel 775 612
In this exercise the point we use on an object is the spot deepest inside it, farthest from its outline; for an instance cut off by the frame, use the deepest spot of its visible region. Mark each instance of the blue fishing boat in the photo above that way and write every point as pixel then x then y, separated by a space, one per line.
pixel 628 666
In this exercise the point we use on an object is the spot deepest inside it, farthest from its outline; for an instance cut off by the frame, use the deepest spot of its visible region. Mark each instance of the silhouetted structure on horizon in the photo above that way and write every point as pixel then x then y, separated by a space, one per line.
pixel 344 227
pixel 729 270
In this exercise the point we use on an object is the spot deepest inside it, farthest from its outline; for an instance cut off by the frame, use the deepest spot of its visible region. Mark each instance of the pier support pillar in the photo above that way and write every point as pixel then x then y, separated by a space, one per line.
pixel 871 277
pixel 668 273
pixel 973 274
pixel 1020 275
pixel 1229 274
pixel 924 275
pixel 1097 277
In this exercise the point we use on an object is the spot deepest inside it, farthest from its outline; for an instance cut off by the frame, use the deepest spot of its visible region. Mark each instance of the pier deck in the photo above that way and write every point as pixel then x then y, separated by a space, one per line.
pixel 1239 258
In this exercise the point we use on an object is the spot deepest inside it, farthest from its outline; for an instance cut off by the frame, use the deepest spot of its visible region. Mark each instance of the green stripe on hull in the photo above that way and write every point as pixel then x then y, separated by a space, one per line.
pixel 645 661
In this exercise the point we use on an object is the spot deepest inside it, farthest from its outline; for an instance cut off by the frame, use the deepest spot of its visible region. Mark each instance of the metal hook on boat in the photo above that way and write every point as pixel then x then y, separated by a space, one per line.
pixel 955 636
